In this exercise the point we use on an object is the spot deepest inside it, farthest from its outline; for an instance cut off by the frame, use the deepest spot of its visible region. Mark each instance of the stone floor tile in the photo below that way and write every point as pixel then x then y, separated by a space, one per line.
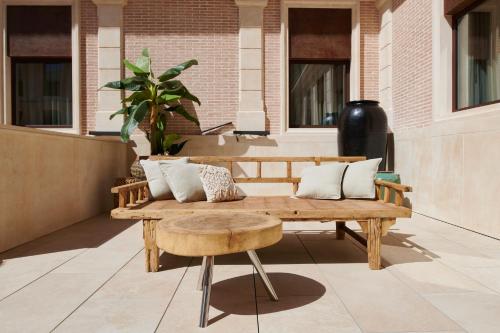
pixel 378 301
pixel 475 312
pixel 132 301
pixel 305 314
pixel 232 302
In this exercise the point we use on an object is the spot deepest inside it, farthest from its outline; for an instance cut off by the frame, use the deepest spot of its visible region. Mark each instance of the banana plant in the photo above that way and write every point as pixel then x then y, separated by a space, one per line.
pixel 156 97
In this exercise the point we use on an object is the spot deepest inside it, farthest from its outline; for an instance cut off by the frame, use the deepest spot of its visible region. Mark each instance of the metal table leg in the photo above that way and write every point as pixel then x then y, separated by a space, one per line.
pixel 207 286
pixel 202 271
pixel 269 287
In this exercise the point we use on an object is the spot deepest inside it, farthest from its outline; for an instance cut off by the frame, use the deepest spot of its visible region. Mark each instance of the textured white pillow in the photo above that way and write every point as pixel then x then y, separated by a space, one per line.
pixel 218 184
pixel 156 181
pixel 359 179
pixel 322 182
pixel 184 181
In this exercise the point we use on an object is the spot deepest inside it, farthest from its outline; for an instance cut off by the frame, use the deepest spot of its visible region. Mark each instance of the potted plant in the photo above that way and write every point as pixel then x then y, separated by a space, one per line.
pixel 156 97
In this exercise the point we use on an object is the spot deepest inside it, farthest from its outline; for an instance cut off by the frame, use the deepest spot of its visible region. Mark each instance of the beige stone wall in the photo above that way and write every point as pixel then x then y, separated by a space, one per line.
pixel 453 168
pixel 450 159
pixel 50 180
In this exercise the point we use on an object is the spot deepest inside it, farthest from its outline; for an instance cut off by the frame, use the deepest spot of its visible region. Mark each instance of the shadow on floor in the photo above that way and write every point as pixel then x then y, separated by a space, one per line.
pixel 284 284
pixel 86 234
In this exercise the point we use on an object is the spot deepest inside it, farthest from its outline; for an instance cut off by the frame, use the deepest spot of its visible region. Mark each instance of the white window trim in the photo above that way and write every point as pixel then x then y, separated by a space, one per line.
pixel 5 65
pixel 442 71
pixel 354 88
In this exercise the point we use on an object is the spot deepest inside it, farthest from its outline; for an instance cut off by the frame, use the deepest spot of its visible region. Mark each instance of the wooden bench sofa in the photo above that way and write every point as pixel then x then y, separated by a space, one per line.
pixel 374 216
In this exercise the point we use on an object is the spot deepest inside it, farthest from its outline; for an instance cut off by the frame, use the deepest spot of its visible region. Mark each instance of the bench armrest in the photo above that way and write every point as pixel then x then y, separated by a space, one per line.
pixel 131 194
pixel 389 188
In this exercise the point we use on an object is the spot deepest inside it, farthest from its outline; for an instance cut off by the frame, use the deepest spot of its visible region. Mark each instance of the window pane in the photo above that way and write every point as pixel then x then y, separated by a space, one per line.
pixel 42 93
pixel 317 93
pixel 478 48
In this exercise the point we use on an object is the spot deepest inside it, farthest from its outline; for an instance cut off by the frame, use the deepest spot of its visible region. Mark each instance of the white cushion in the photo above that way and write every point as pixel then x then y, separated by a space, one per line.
pixel 322 182
pixel 158 186
pixel 218 184
pixel 359 179
pixel 184 181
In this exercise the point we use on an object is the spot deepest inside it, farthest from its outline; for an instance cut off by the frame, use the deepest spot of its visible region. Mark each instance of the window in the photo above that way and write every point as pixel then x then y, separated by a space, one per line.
pixel 317 93
pixel 42 92
pixel 319 65
pixel 41 72
pixel 477 49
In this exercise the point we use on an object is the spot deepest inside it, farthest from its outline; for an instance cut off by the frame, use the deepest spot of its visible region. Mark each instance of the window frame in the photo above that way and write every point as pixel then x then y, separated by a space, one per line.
pixel 318 61
pixel 45 60
pixel 355 67
pixel 5 82
pixel 454 23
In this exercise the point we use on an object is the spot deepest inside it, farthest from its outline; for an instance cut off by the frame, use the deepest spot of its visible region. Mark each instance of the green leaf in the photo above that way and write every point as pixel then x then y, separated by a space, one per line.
pixel 179 109
pixel 145 52
pixel 175 87
pixel 144 63
pixel 167 98
pixel 177 70
pixel 176 147
pixel 114 85
pixel 169 139
pixel 137 97
pixel 136 116
pixel 140 111
pixel 134 83
pixel 121 111
pixel 135 69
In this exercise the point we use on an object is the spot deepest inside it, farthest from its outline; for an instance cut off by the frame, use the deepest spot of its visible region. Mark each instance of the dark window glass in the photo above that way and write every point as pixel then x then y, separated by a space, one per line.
pixel 318 93
pixel 477 55
pixel 319 61
pixel 42 92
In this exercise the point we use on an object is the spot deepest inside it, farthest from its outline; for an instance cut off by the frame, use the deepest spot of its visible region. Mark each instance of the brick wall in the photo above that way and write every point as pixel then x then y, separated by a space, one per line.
pixel 208 31
pixel 412 63
pixel 88 65
pixel 178 30
pixel 369 31
pixel 272 65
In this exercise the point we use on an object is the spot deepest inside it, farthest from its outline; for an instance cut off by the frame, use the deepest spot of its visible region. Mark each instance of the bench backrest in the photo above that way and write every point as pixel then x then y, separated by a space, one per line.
pixel 230 161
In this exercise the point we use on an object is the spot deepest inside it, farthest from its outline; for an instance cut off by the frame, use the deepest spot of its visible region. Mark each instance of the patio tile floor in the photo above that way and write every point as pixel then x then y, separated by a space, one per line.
pixel 90 278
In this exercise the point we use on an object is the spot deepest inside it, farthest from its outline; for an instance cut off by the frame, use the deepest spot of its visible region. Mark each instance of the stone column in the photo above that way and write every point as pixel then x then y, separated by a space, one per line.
pixel 251 115
pixel 110 26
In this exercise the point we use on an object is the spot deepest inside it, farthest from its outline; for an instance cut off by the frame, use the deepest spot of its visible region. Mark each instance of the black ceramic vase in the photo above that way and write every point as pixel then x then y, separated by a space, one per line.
pixel 362 130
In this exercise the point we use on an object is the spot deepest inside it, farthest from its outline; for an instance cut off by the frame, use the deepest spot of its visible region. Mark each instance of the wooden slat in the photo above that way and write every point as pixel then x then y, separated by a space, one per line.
pixel 132 197
pixel 387 194
pixel 289 169
pixel 266 180
pixel 220 159
pixel 282 206
pixel 399 187
pixel 122 199
pixel 129 187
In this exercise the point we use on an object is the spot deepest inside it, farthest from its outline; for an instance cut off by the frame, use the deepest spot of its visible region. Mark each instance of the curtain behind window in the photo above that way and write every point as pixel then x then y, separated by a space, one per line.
pixel 478 47
pixel 43 95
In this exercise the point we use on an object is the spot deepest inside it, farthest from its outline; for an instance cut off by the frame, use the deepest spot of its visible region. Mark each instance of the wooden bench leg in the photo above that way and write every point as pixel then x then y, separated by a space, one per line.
pixel 340 230
pixel 151 250
pixel 373 246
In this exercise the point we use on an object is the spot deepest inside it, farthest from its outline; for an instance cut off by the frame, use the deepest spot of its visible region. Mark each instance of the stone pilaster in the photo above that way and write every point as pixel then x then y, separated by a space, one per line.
pixel 251 115
pixel 110 29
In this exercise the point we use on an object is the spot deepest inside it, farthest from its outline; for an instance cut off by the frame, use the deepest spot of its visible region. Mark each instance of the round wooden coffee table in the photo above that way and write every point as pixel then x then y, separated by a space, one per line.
pixel 212 234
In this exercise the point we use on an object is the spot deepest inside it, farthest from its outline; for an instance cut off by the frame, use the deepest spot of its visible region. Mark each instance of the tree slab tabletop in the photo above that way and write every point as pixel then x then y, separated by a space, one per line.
pixel 213 234
pixel 284 207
